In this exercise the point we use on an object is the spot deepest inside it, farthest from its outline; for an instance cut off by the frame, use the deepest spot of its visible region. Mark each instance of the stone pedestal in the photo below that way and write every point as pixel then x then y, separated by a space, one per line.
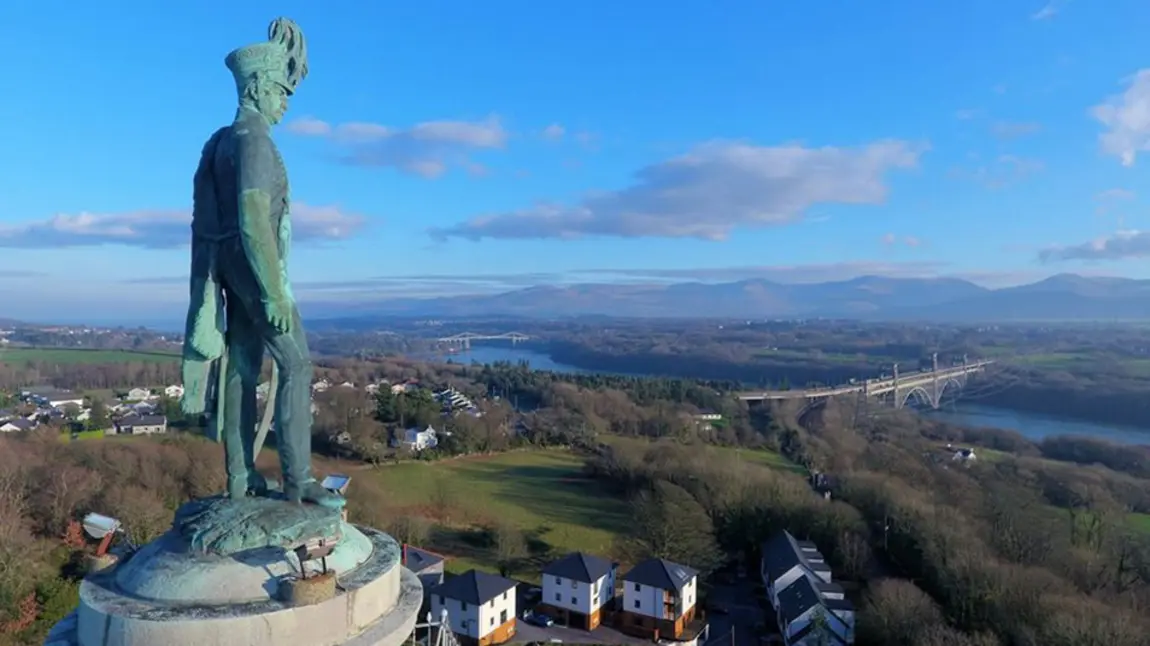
pixel 168 594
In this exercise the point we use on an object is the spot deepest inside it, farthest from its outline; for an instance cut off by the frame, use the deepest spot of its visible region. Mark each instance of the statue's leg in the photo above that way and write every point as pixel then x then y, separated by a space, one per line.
pixel 293 416
pixel 245 357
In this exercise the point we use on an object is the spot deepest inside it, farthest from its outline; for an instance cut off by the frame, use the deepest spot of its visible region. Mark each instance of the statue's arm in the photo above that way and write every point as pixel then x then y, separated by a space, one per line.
pixel 255 165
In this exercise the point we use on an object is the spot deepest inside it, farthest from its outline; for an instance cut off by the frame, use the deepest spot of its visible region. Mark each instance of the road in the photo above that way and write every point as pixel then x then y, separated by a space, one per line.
pixel 525 632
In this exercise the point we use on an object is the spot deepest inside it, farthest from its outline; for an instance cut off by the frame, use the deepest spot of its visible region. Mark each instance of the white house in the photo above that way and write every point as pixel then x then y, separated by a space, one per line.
pixel 17 424
pixel 964 455
pixel 138 394
pixel 320 386
pixel 577 587
pixel 142 425
pixel 480 606
pixel 409 386
pixel 810 608
pixel 659 599
pixel 415 439
pixel 175 391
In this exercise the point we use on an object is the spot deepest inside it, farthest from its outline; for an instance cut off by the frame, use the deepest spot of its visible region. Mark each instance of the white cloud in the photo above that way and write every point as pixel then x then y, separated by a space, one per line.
pixel 426 149
pixel 1127 119
pixel 160 228
pixel 554 132
pixel 708 192
pixel 1049 10
pixel 1121 245
pixel 309 126
pixel 891 240
pixel 1002 171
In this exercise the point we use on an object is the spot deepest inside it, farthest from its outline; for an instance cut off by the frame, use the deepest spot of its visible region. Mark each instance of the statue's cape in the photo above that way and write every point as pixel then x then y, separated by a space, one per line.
pixel 204 331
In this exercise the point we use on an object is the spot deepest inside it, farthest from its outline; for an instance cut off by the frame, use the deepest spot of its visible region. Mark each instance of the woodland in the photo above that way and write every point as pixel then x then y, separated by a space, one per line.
pixel 1031 544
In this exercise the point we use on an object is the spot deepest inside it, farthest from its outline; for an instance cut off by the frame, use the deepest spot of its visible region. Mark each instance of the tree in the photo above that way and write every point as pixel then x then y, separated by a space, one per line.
pixel 510 546
pixel 409 530
pixel 98 416
pixel 668 523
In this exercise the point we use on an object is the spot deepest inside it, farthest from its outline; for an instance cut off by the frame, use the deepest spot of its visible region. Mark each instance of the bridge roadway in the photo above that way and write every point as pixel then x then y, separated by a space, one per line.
pixel 898 384
pixel 466 338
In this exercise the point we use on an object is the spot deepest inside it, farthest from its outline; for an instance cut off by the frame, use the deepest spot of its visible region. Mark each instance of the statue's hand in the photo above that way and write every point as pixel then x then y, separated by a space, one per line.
pixel 279 314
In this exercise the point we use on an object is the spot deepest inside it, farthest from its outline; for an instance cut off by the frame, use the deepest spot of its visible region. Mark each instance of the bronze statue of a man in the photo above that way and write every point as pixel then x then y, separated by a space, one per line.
pixel 241 298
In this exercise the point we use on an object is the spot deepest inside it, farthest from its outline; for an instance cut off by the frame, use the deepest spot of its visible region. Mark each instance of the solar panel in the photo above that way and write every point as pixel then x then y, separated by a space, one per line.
pixel 98 525
pixel 336 482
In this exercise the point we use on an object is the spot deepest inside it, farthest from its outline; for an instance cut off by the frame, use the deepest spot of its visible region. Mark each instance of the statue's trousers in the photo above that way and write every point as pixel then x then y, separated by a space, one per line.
pixel 248 335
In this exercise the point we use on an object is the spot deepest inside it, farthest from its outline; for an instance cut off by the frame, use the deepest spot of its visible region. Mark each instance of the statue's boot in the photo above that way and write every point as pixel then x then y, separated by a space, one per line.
pixel 310 491
pixel 251 482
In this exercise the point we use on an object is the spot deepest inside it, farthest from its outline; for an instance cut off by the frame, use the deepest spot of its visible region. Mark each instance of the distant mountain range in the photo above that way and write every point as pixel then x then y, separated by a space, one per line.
pixel 1065 297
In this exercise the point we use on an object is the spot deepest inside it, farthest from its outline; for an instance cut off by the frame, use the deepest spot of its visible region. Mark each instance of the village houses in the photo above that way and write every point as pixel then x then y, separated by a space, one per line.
pixel 480 607
pixel 576 589
pixel 809 607
pixel 659 599
pixel 416 439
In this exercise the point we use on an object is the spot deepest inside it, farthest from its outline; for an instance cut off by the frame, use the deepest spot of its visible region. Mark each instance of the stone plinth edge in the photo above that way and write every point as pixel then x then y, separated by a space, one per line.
pixel 376 605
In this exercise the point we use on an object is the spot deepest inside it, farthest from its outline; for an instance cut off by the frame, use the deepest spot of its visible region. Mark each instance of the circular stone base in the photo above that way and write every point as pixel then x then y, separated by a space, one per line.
pixel 163 595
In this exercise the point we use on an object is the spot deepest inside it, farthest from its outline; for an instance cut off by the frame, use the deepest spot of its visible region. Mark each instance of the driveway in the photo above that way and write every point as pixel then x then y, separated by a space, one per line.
pixel 743 615
pixel 525 632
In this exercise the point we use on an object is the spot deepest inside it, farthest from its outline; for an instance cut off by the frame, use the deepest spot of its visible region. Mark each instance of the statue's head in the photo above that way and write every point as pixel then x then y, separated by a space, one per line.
pixel 268 73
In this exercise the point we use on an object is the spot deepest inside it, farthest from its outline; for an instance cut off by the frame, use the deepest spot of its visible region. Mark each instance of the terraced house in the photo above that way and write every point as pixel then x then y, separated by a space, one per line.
pixel 810 608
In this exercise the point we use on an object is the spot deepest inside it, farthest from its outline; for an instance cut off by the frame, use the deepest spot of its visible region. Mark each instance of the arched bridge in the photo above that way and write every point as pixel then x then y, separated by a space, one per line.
pixel 926 386
pixel 466 338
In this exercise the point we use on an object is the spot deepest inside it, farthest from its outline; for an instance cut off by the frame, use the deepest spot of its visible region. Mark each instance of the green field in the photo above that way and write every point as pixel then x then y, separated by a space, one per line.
pixel 79 355
pixel 763 457
pixel 1141 521
pixel 543 493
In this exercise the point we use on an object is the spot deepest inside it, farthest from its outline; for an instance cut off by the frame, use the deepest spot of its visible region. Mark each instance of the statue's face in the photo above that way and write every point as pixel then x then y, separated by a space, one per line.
pixel 273 101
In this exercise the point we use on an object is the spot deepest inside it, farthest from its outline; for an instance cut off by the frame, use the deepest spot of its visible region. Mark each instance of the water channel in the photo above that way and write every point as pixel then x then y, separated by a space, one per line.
pixel 966 413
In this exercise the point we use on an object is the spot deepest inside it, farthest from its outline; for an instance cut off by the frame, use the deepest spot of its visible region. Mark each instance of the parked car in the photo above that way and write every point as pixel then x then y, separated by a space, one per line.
pixel 543 621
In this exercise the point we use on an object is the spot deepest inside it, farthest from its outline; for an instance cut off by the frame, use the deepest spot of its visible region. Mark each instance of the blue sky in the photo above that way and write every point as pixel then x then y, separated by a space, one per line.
pixel 470 147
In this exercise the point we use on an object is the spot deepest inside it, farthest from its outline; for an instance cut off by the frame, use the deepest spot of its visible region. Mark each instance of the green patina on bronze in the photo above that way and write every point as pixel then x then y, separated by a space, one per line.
pixel 241 298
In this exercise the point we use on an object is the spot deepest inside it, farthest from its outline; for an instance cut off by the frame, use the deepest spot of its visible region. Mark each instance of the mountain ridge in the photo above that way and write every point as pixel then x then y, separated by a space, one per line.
pixel 1063 297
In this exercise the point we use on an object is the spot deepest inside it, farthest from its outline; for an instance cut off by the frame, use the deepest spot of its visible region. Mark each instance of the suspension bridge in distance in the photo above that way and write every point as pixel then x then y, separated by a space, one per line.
pixel 464 340
pixel 925 386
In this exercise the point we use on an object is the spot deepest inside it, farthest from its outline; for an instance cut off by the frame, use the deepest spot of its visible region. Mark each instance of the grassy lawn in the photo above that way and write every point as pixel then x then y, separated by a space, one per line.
pixel 764 457
pixel 78 355
pixel 1141 521
pixel 543 493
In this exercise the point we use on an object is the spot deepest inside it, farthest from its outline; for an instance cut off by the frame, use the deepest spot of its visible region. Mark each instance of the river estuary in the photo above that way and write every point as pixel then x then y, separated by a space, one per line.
pixel 965 413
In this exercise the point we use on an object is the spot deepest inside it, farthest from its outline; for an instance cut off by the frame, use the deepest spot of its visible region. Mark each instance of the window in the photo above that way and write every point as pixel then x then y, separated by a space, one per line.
pixel 574 584
pixel 574 601
pixel 503 617
pixel 505 596
pixel 595 589
pixel 636 603
pixel 558 580
pixel 463 606
pixel 637 587
pixel 492 621
pixel 491 604
pixel 558 596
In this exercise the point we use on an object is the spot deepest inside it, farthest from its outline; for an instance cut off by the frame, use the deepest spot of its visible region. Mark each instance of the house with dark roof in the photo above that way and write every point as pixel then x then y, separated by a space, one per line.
pixel 810 608
pixel 17 424
pixel 426 565
pixel 807 617
pixel 576 588
pixel 480 607
pixel 659 599
pixel 142 425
